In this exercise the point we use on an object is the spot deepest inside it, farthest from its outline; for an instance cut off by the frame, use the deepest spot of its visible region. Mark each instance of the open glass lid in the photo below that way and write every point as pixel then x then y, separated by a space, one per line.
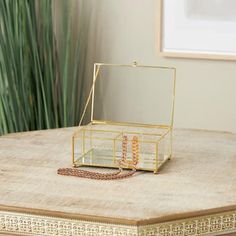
pixel 131 94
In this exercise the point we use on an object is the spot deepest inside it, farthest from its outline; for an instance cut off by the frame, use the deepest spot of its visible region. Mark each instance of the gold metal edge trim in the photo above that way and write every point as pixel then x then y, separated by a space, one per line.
pixel 30 224
pixel 45 225
pixel 212 224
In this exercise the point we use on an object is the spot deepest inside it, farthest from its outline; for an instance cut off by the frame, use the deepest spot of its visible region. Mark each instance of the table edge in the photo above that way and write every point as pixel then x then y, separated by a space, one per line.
pixel 122 221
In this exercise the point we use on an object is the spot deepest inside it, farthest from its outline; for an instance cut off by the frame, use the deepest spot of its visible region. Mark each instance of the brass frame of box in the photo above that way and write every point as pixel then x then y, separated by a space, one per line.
pixel 81 133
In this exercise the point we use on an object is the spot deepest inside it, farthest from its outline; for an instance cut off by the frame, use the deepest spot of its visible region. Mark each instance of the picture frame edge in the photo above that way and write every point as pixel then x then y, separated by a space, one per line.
pixel 184 55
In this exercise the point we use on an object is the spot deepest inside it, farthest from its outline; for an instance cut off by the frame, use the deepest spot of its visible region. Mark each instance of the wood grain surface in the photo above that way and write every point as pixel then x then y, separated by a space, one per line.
pixel 200 179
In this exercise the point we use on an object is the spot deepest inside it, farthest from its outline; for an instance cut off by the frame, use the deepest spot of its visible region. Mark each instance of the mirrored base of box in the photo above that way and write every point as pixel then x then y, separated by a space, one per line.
pixel 105 158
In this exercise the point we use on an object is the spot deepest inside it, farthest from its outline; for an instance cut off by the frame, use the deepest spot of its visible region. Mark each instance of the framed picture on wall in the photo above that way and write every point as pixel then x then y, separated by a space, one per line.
pixel 198 29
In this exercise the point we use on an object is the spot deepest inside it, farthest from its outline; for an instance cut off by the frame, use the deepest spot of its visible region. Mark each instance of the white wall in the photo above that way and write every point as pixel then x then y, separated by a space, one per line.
pixel 123 31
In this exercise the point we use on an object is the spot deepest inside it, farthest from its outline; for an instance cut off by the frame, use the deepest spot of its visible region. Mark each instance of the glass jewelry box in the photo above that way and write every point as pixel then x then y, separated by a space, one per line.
pixel 127 101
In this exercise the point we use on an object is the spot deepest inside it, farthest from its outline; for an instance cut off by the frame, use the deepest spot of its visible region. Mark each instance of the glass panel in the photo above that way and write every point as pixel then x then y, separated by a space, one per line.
pixel 134 94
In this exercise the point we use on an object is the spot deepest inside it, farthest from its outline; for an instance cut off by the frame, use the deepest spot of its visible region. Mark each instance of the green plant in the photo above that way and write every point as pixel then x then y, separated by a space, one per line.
pixel 41 65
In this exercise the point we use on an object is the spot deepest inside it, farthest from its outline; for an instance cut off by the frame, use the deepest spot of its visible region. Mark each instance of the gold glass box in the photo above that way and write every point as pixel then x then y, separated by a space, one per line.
pixel 131 100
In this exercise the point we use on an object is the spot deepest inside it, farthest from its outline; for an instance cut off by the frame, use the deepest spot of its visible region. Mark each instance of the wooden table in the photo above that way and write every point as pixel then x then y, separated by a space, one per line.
pixel 194 194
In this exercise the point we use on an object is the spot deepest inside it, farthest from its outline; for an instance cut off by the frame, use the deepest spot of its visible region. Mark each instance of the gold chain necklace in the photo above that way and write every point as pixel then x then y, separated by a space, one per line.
pixel 114 175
